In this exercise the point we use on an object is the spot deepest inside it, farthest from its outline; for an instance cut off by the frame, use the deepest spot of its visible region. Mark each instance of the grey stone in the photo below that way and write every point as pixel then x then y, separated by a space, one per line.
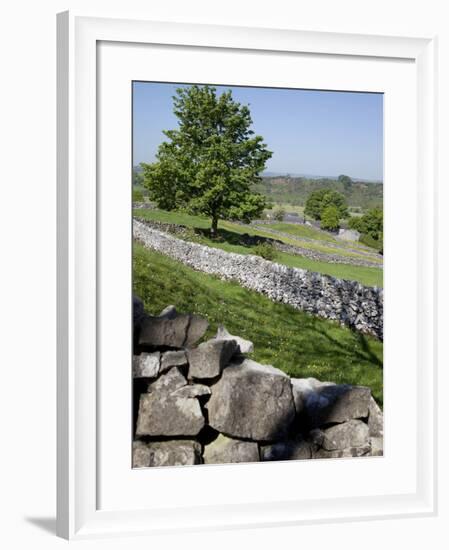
pixel 225 450
pixel 161 414
pixel 243 346
pixel 168 313
pixel 377 446
pixel 192 390
pixel 171 359
pixel 166 453
pixel 344 453
pixel 196 330
pixel 353 433
pixel 163 331
pixel 141 454
pixel 375 419
pixel 168 382
pixel 209 358
pixel 171 329
pixel 315 437
pixel 306 392
pixel 292 449
pixel 146 365
pixel 252 401
pixel 351 403
pixel 331 403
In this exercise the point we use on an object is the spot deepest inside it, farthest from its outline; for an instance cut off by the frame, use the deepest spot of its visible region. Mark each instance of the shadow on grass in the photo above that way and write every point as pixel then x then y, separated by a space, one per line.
pixel 366 353
pixel 233 238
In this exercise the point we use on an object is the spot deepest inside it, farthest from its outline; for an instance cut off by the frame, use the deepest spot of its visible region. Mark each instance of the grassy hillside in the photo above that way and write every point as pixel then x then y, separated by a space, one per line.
pixel 300 230
pixel 298 343
pixel 231 241
pixel 295 190
pixel 297 230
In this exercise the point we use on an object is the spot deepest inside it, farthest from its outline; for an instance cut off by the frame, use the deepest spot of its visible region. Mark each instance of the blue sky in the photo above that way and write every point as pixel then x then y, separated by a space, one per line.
pixel 310 132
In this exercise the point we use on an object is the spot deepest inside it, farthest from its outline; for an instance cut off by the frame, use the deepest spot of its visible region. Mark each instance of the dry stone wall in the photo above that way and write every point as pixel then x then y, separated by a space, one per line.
pixel 347 302
pixel 249 240
pixel 210 403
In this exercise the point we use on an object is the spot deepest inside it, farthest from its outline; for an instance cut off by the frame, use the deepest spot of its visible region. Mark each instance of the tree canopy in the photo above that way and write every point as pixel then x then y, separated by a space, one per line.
pixel 210 162
pixel 319 200
pixel 279 213
pixel 346 181
pixel 370 223
pixel 330 218
pixel 371 227
pixel 137 178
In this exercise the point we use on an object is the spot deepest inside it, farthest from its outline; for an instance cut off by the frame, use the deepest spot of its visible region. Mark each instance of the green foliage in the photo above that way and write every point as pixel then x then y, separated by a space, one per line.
pixel 278 214
pixel 371 227
pixel 210 162
pixel 137 195
pixel 346 181
pixel 355 223
pixel 266 250
pixel 137 177
pixel 330 218
pixel 373 223
pixel 369 241
pixel 321 199
pixel 300 344
pixel 295 190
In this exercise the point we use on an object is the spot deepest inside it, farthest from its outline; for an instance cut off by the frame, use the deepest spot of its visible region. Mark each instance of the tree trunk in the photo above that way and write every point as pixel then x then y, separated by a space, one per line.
pixel 214 228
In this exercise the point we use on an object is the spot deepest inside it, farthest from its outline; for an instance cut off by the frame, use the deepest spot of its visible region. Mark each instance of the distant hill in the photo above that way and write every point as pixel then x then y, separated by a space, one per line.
pixel 268 174
pixel 295 190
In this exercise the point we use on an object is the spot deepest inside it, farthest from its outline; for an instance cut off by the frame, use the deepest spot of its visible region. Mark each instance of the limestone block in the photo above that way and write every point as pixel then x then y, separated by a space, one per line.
pixel 252 401
pixel 225 450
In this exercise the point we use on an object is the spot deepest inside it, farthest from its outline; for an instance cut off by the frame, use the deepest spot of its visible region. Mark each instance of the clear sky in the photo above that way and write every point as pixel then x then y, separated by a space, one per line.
pixel 310 132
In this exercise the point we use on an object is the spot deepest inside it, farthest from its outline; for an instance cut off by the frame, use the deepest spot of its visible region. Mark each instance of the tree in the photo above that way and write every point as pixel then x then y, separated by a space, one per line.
pixel 355 222
pixel 318 200
pixel 210 162
pixel 266 250
pixel 371 227
pixel 138 195
pixel 330 220
pixel 346 181
pixel 137 178
pixel 370 223
pixel 279 213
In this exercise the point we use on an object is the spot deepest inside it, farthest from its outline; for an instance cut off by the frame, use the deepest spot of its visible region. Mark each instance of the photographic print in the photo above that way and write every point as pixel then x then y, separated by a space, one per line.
pixel 257 274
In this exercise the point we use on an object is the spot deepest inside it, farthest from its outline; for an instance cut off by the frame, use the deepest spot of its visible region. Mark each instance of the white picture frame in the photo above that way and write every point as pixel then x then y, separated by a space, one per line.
pixel 79 284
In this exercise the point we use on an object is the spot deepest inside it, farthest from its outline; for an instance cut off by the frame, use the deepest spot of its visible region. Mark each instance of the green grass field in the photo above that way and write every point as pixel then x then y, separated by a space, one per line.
pixel 299 230
pixel 368 276
pixel 295 230
pixel 231 242
pixel 300 344
pixel 287 207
